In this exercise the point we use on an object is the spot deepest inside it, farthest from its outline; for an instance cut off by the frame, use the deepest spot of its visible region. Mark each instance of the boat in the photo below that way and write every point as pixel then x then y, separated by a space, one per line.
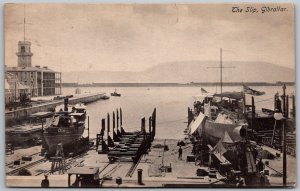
pixel 219 115
pixel 115 94
pixel 27 133
pixel 65 127
pixel 218 131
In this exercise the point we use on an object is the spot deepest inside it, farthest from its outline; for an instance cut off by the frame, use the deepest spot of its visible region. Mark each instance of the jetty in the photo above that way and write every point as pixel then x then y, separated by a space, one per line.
pixel 20 114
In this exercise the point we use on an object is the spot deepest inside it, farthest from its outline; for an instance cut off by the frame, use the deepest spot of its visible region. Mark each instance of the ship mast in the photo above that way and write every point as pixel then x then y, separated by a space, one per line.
pixel 221 69
pixel 24 23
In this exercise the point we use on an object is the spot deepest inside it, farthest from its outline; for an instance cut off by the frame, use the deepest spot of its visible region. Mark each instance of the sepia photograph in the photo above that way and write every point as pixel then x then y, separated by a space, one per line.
pixel 197 95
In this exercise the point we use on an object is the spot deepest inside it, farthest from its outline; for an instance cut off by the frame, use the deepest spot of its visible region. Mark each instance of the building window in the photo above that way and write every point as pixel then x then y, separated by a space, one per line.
pixel 22 49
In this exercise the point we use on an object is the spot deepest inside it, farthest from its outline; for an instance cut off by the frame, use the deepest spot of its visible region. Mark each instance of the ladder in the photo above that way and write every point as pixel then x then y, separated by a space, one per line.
pixel 58 161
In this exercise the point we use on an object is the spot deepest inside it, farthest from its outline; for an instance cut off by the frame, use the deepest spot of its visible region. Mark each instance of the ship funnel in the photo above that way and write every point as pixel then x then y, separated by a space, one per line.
pixel 241 131
pixel 66 102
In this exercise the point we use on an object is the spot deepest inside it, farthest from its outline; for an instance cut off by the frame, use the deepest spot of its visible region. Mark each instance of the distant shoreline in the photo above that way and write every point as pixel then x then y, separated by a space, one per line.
pixel 192 84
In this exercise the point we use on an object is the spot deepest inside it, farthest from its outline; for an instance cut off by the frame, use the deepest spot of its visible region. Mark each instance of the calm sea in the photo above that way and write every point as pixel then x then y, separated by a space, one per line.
pixel 171 104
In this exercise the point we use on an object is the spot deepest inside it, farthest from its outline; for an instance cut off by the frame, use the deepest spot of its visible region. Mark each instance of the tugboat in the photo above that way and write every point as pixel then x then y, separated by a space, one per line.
pixel 66 127
pixel 115 94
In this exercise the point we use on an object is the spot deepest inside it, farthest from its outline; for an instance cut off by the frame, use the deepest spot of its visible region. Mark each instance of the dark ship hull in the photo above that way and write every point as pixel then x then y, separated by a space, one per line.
pixel 65 128
pixel 115 94
pixel 67 139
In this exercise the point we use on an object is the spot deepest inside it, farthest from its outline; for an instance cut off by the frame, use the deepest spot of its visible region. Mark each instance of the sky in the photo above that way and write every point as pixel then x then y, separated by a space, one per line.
pixel 80 37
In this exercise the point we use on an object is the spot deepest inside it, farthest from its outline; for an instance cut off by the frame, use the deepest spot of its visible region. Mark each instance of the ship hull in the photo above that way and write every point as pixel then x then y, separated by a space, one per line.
pixel 216 131
pixel 67 139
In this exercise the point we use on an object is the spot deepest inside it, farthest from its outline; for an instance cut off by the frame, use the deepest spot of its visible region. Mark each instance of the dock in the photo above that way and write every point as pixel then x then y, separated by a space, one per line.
pixel 181 171
pixel 23 113
pixel 160 167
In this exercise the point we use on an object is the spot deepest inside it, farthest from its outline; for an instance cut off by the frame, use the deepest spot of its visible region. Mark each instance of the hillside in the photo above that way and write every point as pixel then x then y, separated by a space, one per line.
pixel 189 71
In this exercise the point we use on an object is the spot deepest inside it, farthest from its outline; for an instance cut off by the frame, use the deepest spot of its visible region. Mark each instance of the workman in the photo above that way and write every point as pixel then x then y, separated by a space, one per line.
pixel 180 153
pixel 45 182
pixel 260 165
pixel 262 179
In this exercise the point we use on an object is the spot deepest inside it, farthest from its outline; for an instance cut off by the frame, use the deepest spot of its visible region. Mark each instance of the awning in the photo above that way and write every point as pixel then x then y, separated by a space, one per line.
pixel 22 86
pixel 80 106
pixel 231 95
pixel 219 149
pixel 195 124
pixel 76 114
pixel 41 114
pixel 201 97
pixel 227 138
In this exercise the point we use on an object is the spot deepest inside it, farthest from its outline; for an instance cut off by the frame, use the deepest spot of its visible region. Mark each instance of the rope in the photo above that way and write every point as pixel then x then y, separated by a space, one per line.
pixel 163 122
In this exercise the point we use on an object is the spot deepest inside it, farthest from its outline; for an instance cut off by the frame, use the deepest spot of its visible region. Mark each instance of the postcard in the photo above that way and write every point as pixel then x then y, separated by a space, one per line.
pixel 150 95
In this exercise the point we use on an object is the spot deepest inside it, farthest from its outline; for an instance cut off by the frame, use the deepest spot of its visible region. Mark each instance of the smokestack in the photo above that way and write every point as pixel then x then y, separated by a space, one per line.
pixel 66 102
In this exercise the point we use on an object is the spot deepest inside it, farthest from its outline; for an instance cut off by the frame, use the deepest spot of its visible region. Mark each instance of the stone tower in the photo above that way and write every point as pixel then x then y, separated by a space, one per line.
pixel 24 54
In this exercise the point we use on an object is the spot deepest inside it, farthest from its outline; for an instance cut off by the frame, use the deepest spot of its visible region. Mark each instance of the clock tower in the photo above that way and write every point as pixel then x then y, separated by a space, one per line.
pixel 24 54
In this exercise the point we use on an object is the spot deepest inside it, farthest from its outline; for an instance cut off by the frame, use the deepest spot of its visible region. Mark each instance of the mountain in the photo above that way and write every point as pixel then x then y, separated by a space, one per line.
pixel 189 71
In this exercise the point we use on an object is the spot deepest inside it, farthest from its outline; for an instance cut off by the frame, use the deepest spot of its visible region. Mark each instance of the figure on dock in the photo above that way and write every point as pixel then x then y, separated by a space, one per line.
pixel 260 165
pixel 45 182
pixel 180 153
pixel 262 179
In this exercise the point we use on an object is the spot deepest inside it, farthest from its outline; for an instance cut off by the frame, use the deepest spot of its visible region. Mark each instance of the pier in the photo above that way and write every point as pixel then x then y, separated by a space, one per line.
pixel 23 113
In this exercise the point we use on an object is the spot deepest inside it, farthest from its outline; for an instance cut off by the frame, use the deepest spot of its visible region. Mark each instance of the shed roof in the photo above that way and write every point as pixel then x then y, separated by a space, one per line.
pixel 28 69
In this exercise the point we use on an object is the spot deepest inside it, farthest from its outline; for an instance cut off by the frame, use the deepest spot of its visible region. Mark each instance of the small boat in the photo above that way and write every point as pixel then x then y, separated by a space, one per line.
pixel 115 94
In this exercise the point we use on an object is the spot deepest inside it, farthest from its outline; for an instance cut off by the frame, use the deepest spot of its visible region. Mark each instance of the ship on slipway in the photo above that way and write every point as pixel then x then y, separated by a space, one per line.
pixel 65 127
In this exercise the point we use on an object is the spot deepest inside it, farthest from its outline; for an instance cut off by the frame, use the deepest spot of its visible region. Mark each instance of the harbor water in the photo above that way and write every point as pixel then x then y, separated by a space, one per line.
pixel 171 104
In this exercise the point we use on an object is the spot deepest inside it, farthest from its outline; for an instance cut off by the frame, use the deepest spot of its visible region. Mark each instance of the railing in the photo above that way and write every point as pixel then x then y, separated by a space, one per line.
pixel 290 148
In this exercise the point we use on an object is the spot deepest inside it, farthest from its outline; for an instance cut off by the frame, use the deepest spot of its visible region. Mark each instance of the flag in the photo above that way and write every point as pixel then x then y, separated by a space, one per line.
pixel 250 91
pixel 203 91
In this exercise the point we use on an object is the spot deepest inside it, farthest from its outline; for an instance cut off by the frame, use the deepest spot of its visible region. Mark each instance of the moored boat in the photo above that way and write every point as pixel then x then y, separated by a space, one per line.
pixel 115 94
pixel 220 126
